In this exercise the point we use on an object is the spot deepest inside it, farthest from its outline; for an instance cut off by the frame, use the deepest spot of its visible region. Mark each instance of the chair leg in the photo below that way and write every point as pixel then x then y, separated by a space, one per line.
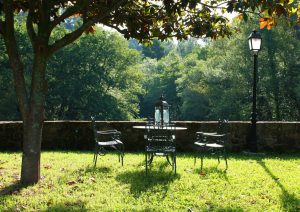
pixel 225 157
pixel 198 152
pixel 151 158
pixel 122 158
pixel 95 153
pixel 96 157
pixel 120 150
pixel 170 159
pixel 201 162
pixel 174 163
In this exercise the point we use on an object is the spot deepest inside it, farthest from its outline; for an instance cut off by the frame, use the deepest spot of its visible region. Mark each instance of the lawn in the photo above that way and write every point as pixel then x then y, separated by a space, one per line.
pixel 69 182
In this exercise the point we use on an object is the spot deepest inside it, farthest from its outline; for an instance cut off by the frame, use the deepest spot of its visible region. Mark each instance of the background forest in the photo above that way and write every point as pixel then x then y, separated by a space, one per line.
pixel 115 79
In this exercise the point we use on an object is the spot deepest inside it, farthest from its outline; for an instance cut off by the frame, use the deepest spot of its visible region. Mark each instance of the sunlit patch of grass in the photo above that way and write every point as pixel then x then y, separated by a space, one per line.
pixel 70 182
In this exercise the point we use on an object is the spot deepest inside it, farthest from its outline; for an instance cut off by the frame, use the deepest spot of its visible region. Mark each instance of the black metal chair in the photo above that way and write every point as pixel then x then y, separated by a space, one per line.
pixel 160 142
pixel 213 142
pixel 108 139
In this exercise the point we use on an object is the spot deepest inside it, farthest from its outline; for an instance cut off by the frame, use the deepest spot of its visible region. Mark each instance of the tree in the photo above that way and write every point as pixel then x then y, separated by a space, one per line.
pixel 192 88
pixel 157 49
pixel 160 79
pixel 142 20
pixel 100 77
pixel 186 47
pixel 219 83
pixel 9 109
pixel 8 103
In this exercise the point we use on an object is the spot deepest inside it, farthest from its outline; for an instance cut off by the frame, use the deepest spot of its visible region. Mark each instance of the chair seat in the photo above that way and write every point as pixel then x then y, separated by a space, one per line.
pixel 200 144
pixel 110 143
pixel 206 133
pixel 215 145
pixel 216 135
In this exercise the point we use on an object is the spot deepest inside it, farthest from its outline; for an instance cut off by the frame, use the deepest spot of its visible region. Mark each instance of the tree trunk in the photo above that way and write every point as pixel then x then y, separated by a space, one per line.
pixel 32 138
pixel 33 122
pixel 32 105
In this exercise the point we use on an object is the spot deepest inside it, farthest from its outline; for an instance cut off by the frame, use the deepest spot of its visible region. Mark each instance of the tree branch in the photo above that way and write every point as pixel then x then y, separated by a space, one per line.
pixel 69 12
pixel 14 57
pixel 218 6
pixel 29 23
pixel 116 28
pixel 69 38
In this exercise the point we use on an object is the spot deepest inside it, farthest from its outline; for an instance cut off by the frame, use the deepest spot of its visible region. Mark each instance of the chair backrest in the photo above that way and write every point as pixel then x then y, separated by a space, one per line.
pixel 105 135
pixel 150 121
pixel 108 135
pixel 223 127
pixel 94 128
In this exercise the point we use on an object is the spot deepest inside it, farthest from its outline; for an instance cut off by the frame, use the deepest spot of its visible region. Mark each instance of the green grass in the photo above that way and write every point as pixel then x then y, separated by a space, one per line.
pixel 251 183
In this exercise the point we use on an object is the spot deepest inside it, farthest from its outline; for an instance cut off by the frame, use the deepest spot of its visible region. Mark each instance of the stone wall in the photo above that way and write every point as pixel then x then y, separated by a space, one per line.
pixel 77 135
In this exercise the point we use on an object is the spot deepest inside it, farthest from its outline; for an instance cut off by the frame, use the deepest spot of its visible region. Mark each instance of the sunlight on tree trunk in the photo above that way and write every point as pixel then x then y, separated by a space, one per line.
pixel 30 172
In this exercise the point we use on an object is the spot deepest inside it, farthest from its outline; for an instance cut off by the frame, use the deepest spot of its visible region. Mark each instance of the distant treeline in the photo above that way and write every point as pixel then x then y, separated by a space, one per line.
pixel 105 75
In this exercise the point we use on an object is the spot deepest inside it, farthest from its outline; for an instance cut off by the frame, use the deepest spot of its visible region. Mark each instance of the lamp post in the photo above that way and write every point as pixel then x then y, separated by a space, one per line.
pixel 254 45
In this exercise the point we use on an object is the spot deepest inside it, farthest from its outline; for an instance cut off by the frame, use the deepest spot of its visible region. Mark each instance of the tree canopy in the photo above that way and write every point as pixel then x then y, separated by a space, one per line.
pixel 214 80
pixel 104 83
pixel 145 20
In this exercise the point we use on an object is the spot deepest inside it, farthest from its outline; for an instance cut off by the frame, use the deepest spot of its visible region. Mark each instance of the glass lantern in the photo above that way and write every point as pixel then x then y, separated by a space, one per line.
pixel 162 115
pixel 254 42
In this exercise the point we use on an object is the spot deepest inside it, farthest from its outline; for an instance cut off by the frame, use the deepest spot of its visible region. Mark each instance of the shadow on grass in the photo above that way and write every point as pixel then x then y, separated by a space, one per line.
pixel 213 207
pixel 68 206
pixel 215 171
pixel 8 191
pixel 11 189
pixel 102 169
pixel 159 179
pixel 267 155
pixel 245 156
pixel 289 201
